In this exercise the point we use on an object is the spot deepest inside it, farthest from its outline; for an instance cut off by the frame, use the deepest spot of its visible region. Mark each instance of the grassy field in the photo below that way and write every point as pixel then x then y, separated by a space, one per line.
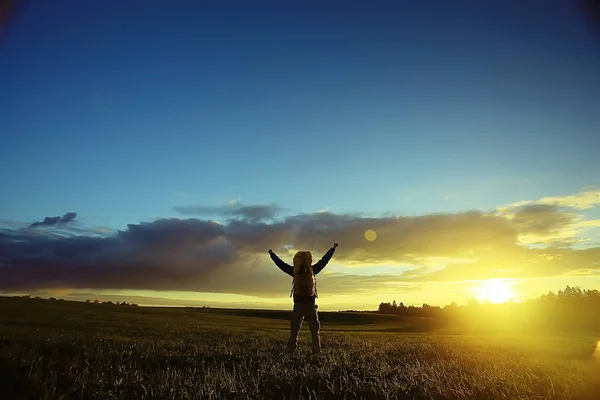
pixel 67 350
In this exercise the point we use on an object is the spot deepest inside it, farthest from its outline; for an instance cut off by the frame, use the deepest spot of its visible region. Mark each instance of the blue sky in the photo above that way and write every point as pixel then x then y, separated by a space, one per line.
pixel 121 111
pixel 110 110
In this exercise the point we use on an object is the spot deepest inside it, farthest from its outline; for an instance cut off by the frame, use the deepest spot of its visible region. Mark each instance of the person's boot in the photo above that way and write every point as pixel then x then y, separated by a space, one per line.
pixel 316 347
pixel 291 347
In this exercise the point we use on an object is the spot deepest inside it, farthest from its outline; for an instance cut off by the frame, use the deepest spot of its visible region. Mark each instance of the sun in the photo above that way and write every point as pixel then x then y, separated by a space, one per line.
pixel 495 291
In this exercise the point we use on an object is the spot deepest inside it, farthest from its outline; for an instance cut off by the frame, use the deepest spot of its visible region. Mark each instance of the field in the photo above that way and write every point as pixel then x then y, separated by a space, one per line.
pixel 67 350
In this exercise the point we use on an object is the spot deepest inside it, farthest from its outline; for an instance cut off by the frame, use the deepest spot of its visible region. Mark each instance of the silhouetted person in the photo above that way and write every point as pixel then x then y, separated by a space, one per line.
pixel 304 290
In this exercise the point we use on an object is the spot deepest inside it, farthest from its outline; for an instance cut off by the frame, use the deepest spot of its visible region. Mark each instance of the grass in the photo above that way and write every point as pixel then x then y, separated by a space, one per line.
pixel 66 350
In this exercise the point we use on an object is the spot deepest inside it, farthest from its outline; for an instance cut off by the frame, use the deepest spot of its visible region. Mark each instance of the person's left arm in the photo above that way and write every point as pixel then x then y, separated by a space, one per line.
pixel 322 263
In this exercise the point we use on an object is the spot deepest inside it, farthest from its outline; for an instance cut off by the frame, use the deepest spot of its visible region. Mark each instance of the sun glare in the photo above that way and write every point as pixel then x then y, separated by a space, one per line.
pixel 495 291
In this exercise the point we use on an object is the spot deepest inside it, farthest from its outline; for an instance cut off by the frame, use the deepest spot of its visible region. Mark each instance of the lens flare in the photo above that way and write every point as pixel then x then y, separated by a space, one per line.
pixel 371 235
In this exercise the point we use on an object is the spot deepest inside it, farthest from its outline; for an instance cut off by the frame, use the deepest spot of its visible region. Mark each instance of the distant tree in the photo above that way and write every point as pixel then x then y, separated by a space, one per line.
pixel 52 298
pixel 572 309
pixel 386 308
pixel 472 303
pixel 87 301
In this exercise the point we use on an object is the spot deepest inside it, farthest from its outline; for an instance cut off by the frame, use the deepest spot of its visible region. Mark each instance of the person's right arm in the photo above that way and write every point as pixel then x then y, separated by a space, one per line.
pixel 288 269
pixel 322 263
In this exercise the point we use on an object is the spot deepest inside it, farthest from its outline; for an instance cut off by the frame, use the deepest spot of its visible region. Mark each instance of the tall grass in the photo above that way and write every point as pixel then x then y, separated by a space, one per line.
pixel 52 350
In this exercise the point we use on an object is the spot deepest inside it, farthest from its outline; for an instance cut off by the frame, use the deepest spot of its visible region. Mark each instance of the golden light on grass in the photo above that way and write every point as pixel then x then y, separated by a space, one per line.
pixel 495 291
pixel 371 235
pixel 596 354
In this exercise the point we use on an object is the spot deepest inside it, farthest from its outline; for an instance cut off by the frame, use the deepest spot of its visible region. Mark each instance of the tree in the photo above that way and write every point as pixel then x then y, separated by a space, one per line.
pixel 472 303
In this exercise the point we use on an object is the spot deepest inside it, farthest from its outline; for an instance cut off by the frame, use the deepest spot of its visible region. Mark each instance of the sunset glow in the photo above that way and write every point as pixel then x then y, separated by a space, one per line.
pixel 495 291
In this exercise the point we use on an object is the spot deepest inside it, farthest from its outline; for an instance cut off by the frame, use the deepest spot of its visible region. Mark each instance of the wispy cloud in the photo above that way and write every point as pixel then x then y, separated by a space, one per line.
pixel 55 221
pixel 234 209
pixel 581 201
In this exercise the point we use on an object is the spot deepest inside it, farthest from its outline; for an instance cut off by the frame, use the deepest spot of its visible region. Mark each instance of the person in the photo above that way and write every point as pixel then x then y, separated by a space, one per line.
pixel 304 290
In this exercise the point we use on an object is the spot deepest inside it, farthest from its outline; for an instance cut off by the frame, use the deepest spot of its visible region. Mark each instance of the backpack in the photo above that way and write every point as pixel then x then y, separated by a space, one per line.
pixel 304 283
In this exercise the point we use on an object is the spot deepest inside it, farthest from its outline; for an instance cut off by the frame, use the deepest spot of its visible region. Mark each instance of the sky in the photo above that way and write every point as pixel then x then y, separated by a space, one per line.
pixel 156 152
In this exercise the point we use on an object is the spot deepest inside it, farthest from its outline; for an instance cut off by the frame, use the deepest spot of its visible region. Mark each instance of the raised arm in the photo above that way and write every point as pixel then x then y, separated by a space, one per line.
pixel 322 263
pixel 287 268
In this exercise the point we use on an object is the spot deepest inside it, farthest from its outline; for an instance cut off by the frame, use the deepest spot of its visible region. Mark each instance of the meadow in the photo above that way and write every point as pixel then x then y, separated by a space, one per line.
pixel 69 350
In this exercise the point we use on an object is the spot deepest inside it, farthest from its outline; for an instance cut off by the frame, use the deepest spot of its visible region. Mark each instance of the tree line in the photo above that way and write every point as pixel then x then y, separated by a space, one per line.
pixel 124 303
pixel 570 309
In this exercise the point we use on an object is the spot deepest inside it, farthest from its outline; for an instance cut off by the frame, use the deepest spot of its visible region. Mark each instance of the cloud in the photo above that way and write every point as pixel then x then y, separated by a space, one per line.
pixel 252 213
pixel 55 221
pixel 544 223
pixel 402 239
pixel 583 200
pixel 10 224
pixel 551 220
pixel 541 218
pixel 194 254
pixel 165 254
pixel 522 263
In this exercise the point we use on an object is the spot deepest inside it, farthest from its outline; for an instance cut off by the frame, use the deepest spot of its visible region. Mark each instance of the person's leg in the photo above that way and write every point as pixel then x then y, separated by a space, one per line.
pixel 312 318
pixel 295 325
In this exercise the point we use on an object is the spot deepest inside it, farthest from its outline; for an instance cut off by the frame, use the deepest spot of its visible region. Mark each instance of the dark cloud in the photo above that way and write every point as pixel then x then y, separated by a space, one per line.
pixel 542 219
pixel 252 213
pixel 55 221
pixel 403 239
pixel 165 254
pixel 201 255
